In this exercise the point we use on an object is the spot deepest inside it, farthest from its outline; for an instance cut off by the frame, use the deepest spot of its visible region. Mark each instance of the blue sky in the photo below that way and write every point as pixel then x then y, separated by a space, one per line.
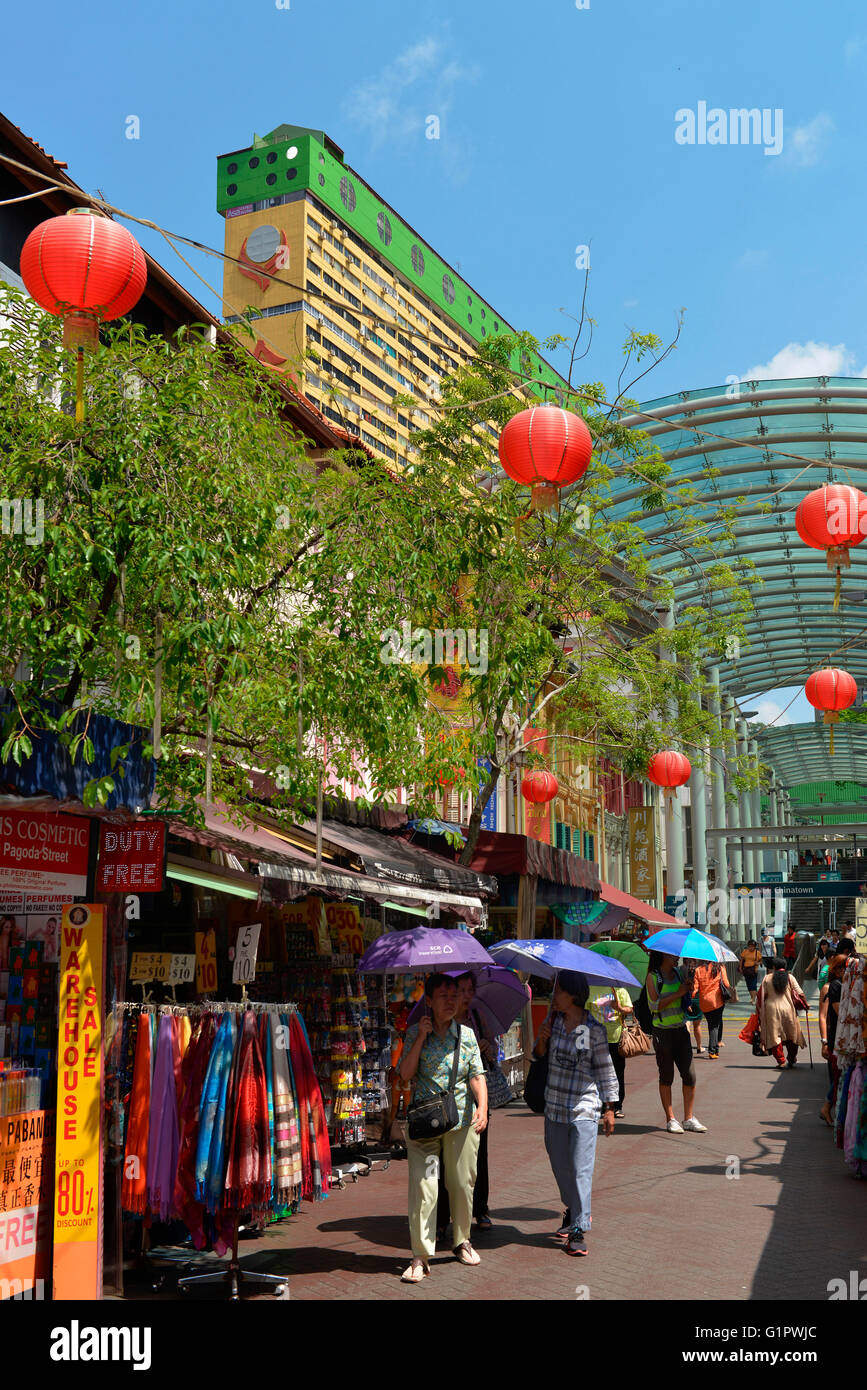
pixel 557 130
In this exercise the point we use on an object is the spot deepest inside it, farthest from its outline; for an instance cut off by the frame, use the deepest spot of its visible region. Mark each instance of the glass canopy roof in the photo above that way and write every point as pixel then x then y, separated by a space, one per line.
pixel 768 444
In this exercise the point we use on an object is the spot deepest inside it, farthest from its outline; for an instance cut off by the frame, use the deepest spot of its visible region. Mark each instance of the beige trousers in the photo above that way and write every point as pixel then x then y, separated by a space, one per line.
pixel 457 1151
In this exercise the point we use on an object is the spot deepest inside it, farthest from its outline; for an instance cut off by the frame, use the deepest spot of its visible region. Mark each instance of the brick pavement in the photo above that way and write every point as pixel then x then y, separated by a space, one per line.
pixel 791 1221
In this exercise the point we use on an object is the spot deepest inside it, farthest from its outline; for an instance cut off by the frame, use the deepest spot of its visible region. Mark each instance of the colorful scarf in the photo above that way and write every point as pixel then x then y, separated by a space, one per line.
pixel 315 1148
pixel 248 1171
pixel 134 1190
pixel 265 1045
pixel 163 1136
pixel 211 1146
pixel 288 1171
pixel 193 1070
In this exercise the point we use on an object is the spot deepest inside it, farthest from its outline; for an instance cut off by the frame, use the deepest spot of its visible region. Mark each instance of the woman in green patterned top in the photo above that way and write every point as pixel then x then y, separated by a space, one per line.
pixel 427 1060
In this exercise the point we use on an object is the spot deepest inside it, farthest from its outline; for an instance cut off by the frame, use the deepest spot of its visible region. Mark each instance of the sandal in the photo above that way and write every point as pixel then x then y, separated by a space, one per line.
pixel 484 1223
pixel 466 1255
pixel 414 1273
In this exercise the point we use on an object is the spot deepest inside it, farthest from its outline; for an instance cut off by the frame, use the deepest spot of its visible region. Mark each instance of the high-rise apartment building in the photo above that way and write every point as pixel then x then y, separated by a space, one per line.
pixel 350 301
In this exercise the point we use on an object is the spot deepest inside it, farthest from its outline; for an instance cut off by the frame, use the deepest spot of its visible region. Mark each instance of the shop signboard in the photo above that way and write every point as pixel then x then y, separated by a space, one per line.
pixel 642 853
pixel 772 876
pixel 206 962
pixel 132 857
pixel 861 926
pixel 78 1151
pixel 44 852
pixel 489 815
pixel 26 1160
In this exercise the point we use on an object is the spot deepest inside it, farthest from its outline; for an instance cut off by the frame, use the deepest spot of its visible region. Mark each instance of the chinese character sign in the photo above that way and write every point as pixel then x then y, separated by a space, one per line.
pixel 642 853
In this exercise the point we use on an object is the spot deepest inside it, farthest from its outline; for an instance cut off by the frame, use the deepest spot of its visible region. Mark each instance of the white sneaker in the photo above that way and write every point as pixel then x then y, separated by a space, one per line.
pixel 674 1127
pixel 694 1126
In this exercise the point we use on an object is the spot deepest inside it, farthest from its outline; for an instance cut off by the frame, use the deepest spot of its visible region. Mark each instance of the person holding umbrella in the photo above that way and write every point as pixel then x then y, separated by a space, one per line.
pixel 581 1082
pixel 666 989
pixel 429 1061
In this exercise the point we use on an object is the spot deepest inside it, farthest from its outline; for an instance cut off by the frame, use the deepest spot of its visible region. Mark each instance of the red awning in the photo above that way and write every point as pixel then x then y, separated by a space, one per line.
pixel 635 907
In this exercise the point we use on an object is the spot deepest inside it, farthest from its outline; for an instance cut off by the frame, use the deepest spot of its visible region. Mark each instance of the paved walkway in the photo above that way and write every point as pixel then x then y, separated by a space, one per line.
pixel 790 1221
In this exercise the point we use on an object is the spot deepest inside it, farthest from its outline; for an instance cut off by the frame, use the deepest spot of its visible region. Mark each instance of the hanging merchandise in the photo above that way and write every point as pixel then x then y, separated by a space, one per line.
pixel 851 1052
pixel 231 1120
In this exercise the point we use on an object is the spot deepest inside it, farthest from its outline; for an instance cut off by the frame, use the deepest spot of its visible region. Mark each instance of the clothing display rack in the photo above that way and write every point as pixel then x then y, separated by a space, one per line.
pixel 851 1052
pixel 224 1116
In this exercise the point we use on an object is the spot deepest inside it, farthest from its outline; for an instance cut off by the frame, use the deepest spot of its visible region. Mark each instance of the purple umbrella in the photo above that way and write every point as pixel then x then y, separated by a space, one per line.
pixel 499 996
pixel 423 948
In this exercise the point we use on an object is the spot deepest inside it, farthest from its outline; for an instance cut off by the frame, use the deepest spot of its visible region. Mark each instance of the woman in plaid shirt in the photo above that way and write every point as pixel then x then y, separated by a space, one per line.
pixel 581 1082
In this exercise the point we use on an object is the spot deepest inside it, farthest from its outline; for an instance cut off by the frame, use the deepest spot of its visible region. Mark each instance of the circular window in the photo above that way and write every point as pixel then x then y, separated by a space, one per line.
pixel 254 162
pixel 321 157
pixel 262 244
pixel 484 332
pixel 347 194
pixel 469 299
pixel 383 226
pixel 232 189
pixel 232 169
pixel 417 260
pixel 321 180
pixel 290 173
pixel 526 364
pixel 271 179
pixel 272 158
pixel 483 313
pixel 448 290
pixel 292 152
pixel 469 318
pixel 496 326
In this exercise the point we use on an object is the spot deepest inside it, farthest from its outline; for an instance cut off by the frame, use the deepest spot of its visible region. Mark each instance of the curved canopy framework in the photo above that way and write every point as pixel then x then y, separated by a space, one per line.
pixel 759 447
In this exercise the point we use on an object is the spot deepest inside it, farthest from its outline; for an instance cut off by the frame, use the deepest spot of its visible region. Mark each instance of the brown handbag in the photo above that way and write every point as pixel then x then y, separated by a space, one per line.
pixel 634 1042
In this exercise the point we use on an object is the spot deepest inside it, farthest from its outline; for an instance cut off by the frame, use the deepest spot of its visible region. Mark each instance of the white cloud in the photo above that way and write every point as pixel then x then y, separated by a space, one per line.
pixel 806 359
pixel 805 144
pixel 769 712
pixel 392 106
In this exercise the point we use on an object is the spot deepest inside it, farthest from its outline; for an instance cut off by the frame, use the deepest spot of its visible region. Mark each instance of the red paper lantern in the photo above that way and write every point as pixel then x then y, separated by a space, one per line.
pixel 545 448
pixel 833 518
pixel 539 787
pixel 669 769
pixel 831 690
pixel 85 267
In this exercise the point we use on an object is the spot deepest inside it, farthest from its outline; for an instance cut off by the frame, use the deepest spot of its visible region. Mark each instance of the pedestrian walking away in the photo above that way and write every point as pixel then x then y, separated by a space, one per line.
pixel 581 1082
pixel 710 984
pixel 769 949
pixel 666 989
pixel 790 948
pixel 749 961
pixel 610 1006
pixel 428 1060
pixel 778 999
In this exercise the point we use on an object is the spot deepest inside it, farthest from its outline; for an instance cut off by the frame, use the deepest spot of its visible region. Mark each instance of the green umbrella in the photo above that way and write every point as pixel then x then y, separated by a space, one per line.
pixel 634 957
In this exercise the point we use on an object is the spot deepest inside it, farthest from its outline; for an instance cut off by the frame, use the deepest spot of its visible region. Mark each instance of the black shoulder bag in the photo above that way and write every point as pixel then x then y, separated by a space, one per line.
pixel 435 1115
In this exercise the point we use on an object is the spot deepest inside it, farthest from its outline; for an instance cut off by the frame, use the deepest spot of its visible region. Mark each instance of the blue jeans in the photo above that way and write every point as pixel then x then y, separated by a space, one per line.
pixel 572 1150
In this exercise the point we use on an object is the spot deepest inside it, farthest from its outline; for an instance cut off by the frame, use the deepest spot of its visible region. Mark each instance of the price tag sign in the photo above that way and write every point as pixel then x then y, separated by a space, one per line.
pixel 182 970
pixel 861 926
pixel 162 965
pixel 142 968
pixel 206 962
pixel 344 920
pixel 246 946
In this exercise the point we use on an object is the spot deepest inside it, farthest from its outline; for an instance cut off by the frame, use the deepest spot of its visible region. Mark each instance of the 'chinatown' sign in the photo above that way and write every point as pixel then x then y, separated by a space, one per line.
pixel 44 852
pixel 132 857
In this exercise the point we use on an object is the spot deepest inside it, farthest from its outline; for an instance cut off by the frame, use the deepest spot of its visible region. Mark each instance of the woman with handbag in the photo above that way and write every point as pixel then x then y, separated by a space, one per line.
pixel 581 1081
pixel 468 1017
pixel 711 986
pixel 444 1062
pixel 778 999
pixel 610 1006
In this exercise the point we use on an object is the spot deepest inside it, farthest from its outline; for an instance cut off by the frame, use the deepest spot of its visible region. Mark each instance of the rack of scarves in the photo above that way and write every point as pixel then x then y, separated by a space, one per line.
pixel 851 1052
pixel 224 1114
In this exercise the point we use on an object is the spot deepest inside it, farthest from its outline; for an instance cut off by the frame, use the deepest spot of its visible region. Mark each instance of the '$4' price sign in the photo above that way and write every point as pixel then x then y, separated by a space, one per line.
pixel 206 962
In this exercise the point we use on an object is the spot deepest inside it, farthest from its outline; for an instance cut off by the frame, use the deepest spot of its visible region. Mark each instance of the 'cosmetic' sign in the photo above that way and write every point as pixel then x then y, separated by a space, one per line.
pixel 43 852
pixel 132 857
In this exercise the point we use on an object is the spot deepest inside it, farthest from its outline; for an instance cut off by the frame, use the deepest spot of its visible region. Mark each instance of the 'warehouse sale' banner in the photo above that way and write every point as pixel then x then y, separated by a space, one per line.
pixel 78 1154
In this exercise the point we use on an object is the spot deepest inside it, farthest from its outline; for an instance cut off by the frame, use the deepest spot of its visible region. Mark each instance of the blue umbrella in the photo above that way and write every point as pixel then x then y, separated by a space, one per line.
pixel 547 957
pixel 684 942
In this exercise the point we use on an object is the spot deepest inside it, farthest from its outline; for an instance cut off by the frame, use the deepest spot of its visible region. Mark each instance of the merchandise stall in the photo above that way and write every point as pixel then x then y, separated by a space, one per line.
pixel 850 1129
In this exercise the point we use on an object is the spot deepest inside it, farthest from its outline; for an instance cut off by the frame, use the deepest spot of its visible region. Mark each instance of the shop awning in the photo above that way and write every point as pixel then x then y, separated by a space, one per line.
pixel 634 907
pixel 392 858
pixel 498 853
